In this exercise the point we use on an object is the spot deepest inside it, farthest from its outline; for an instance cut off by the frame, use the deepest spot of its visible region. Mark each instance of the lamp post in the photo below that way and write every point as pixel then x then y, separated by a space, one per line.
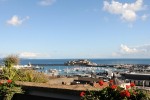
pixel 143 84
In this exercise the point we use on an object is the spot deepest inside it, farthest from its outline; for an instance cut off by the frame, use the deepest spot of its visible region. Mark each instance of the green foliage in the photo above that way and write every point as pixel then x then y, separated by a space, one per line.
pixel 30 76
pixel 111 94
pixel 114 92
pixel 8 88
pixel 8 73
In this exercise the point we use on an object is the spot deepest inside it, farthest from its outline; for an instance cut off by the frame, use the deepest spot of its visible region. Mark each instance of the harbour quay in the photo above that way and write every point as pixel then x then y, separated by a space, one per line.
pixel 140 79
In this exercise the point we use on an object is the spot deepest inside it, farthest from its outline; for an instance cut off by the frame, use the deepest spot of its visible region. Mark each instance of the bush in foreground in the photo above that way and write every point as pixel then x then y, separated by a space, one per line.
pixel 114 92
pixel 11 60
pixel 30 76
pixel 8 88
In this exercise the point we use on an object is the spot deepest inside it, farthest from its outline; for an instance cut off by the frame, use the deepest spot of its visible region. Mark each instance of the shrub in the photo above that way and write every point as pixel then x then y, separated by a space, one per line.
pixel 30 76
pixel 114 92
pixel 8 73
pixel 11 60
pixel 8 88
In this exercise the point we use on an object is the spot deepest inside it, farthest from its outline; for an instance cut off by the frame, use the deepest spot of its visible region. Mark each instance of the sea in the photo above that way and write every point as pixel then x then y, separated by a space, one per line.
pixel 62 61
pixel 98 61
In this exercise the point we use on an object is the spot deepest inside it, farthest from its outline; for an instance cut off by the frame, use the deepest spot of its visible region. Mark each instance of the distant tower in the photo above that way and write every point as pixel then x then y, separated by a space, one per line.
pixel 29 64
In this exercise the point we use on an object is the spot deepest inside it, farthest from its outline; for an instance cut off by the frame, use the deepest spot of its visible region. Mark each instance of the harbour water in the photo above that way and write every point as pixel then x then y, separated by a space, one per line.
pixel 74 69
pixel 70 69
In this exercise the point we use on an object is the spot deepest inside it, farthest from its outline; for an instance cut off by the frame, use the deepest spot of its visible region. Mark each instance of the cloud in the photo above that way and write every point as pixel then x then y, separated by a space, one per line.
pixel 28 55
pixel 136 51
pixel 127 11
pixel 2 55
pixel 46 2
pixel 33 55
pixel 15 20
pixel 129 15
pixel 125 49
pixel 144 17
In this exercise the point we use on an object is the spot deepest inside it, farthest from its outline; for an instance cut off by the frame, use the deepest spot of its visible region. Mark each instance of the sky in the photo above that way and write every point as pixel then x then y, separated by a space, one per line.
pixel 58 29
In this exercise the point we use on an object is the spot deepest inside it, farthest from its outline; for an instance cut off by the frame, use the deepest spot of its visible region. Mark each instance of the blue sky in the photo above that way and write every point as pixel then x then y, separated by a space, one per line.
pixel 75 28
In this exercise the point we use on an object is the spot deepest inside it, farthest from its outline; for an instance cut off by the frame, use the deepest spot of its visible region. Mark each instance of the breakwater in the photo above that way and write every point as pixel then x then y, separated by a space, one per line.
pixel 48 65
pixel 100 65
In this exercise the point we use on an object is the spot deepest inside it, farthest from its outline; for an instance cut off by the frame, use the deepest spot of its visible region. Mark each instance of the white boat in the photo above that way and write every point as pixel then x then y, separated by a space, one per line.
pixel 53 72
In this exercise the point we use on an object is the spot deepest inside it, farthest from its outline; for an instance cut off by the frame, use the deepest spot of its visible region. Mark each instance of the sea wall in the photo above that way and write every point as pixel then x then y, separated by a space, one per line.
pixel 62 80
